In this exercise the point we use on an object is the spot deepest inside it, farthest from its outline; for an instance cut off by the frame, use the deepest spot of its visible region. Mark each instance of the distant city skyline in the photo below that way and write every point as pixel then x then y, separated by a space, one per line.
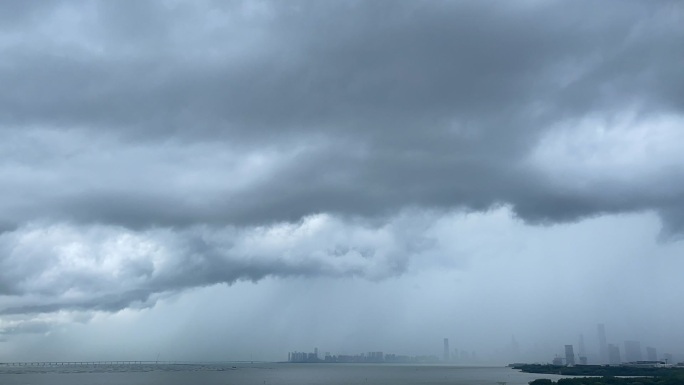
pixel 632 353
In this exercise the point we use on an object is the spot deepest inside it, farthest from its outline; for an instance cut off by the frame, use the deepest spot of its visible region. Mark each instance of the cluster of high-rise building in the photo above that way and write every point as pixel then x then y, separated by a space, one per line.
pixel 370 357
pixel 457 356
pixel 303 357
pixel 610 354
pixel 380 357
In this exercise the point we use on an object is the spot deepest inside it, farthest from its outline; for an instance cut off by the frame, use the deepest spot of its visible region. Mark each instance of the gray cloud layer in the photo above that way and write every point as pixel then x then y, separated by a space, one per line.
pixel 60 267
pixel 149 118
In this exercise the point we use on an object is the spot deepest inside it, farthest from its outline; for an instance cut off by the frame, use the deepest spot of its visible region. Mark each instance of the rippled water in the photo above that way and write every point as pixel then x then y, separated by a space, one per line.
pixel 262 374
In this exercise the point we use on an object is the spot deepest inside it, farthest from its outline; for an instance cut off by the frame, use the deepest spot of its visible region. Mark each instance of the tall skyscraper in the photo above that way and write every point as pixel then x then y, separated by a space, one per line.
pixel 569 355
pixel 582 353
pixel 603 345
pixel 633 351
pixel 446 349
pixel 651 354
pixel 514 349
pixel 614 355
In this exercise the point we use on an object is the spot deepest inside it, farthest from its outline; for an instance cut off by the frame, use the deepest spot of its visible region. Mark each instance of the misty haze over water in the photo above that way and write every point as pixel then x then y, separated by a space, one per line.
pixel 214 181
pixel 282 374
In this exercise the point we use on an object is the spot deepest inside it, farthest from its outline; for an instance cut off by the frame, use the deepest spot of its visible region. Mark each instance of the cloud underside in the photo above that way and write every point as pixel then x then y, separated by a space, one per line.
pixel 152 148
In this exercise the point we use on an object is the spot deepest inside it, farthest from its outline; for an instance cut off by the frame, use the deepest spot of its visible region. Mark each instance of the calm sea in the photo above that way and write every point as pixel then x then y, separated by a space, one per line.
pixel 263 374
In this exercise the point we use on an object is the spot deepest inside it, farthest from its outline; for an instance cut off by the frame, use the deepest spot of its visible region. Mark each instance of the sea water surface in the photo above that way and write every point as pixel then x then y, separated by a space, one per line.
pixel 263 374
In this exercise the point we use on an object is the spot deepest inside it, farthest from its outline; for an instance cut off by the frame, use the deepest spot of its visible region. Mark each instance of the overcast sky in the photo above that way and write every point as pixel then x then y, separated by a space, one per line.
pixel 235 180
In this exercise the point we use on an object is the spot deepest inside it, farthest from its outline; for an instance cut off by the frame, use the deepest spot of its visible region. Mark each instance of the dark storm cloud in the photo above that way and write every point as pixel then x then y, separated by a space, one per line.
pixel 31 327
pixel 444 99
pixel 151 115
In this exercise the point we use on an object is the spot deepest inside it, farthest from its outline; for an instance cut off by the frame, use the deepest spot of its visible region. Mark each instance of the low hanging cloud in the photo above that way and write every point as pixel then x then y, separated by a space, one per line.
pixel 64 267
pixel 153 147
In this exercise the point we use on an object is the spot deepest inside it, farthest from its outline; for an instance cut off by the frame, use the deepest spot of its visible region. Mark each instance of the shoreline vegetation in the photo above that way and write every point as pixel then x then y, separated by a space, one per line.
pixel 608 380
pixel 599 370
pixel 605 375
